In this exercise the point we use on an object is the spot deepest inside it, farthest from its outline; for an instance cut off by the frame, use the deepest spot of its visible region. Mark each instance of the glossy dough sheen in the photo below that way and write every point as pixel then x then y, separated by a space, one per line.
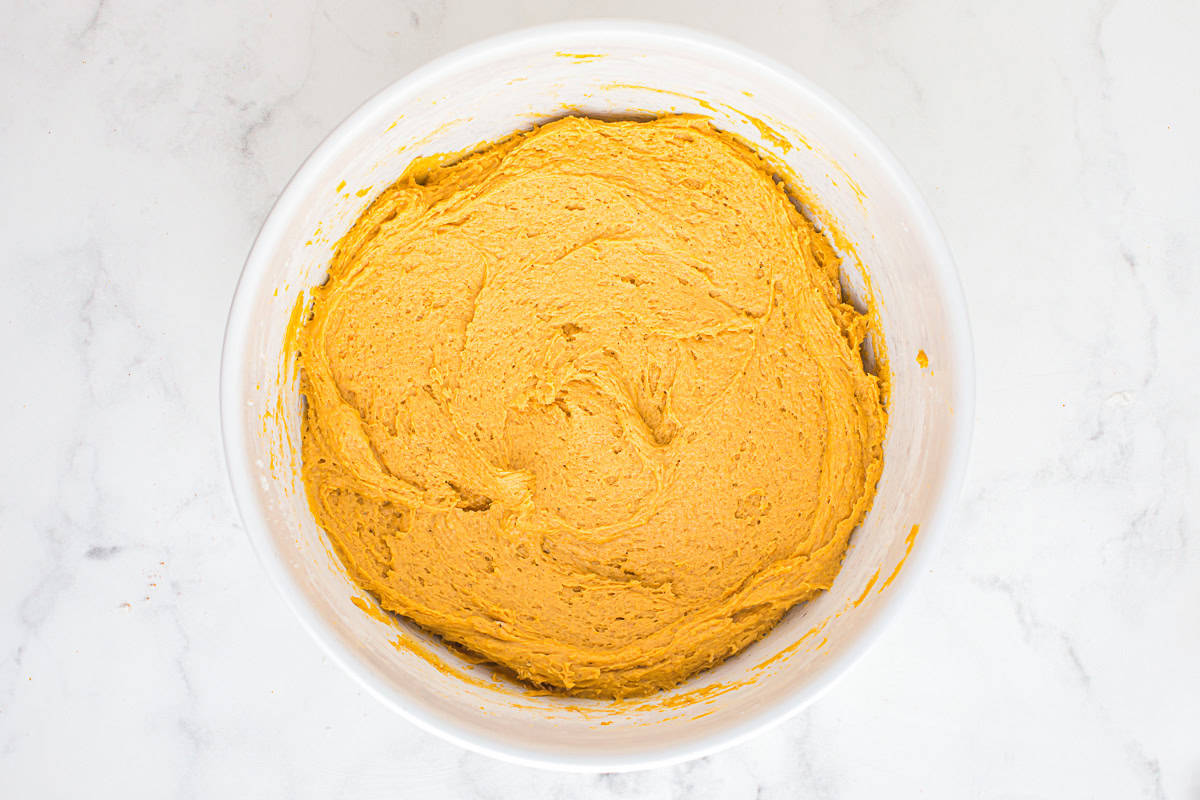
pixel 588 403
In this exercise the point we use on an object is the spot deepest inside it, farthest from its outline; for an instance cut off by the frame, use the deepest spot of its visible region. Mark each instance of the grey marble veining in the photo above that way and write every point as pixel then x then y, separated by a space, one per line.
pixel 1052 651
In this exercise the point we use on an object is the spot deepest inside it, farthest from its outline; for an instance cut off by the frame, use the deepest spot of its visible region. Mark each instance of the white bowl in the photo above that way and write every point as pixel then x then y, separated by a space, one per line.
pixel 512 82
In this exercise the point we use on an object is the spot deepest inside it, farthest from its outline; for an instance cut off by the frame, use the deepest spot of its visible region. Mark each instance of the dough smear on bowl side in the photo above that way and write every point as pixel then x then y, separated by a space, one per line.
pixel 589 404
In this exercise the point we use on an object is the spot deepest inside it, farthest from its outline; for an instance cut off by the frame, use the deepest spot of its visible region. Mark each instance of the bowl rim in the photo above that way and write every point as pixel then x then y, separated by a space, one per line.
pixel 243 476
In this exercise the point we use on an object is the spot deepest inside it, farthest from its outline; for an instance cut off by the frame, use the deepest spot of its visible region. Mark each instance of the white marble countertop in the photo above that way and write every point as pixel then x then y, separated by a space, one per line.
pixel 1052 651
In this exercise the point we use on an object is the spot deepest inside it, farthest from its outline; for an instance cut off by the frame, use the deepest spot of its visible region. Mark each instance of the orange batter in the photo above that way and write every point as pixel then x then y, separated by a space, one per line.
pixel 589 404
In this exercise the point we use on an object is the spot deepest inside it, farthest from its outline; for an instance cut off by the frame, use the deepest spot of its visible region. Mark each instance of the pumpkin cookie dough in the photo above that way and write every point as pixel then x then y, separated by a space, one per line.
pixel 588 403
